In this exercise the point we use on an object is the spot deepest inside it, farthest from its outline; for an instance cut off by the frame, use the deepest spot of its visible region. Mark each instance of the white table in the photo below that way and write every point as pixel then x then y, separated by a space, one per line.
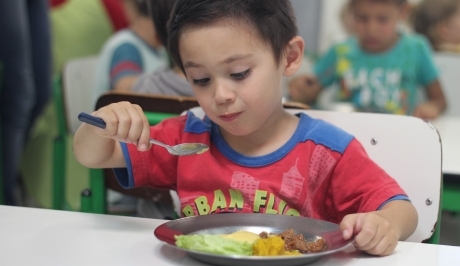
pixel 449 129
pixel 46 237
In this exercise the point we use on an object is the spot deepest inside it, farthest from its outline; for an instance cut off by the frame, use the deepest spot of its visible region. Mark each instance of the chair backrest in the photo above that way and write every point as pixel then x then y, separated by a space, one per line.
pixel 449 64
pixel 78 80
pixel 407 148
pixel 149 102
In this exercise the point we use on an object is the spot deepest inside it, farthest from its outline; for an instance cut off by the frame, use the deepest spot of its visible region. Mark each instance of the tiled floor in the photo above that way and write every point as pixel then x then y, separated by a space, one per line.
pixel 450 229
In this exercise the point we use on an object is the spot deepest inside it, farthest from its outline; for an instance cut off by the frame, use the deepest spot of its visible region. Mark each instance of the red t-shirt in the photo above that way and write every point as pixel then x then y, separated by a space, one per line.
pixel 322 172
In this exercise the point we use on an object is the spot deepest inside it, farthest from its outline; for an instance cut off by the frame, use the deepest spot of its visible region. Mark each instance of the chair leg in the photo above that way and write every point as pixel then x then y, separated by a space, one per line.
pixel 434 239
pixel 98 191
pixel 86 201
pixel 59 173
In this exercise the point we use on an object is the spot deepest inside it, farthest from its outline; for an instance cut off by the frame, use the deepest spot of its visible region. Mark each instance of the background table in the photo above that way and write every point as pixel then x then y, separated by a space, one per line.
pixel 47 237
pixel 449 129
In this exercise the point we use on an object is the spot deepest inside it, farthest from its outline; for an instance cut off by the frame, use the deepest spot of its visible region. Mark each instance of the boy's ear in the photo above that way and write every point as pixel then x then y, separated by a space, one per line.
pixel 294 56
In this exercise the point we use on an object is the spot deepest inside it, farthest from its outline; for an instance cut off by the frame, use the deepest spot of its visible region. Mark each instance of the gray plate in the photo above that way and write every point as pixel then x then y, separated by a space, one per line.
pixel 231 222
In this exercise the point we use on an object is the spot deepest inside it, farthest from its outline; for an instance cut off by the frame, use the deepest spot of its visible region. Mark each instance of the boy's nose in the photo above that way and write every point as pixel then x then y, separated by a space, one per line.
pixel 223 94
pixel 372 26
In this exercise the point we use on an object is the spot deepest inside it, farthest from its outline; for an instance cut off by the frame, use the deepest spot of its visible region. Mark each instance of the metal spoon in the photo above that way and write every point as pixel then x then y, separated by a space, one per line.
pixel 179 150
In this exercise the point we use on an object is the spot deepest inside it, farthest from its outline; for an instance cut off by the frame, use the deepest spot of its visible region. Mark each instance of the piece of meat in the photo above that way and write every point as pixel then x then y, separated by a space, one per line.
pixel 287 235
pixel 293 241
pixel 263 235
pixel 309 247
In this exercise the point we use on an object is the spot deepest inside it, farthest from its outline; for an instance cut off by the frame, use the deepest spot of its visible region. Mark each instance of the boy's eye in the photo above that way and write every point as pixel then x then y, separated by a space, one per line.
pixel 241 75
pixel 201 82
pixel 360 18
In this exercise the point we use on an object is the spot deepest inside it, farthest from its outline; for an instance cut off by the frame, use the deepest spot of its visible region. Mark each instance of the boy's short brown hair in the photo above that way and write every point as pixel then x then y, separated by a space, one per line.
pixel 273 20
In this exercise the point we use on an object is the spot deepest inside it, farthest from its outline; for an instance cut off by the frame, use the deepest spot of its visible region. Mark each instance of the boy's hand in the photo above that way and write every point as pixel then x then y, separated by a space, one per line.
pixel 304 89
pixel 125 122
pixel 373 233
pixel 428 110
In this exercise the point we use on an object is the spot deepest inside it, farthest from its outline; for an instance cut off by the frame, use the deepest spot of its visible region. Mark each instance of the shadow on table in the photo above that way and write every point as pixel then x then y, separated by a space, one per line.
pixel 175 256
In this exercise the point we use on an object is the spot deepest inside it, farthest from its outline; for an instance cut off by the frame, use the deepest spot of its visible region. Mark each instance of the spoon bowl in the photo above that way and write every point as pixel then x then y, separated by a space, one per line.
pixel 178 150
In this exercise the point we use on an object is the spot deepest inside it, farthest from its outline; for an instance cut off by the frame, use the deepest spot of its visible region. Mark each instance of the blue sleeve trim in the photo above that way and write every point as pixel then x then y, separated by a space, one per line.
pixel 328 135
pixel 125 175
pixel 197 125
pixel 397 197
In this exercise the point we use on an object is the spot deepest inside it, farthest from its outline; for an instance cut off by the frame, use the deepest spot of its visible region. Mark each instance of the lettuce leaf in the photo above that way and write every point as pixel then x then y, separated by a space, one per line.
pixel 214 244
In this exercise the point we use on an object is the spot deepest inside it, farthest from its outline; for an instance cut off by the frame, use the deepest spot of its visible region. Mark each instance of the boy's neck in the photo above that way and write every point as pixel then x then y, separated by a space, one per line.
pixel 384 48
pixel 270 137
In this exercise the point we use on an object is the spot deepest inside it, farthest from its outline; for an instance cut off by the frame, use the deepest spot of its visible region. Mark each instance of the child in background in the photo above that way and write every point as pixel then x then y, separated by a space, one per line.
pixel 169 81
pixel 381 69
pixel 130 52
pixel 439 20
pixel 235 55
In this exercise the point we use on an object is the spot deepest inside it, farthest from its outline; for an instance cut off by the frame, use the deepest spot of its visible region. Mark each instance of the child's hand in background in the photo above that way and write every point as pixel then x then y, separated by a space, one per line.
pixel 125 122
pixel 304 89
pixel 428 110
pixel 373 233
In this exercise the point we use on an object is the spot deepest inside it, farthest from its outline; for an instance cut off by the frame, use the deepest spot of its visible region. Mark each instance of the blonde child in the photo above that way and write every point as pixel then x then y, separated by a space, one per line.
pixel 261 158
pixel 381 69
pixel 439 20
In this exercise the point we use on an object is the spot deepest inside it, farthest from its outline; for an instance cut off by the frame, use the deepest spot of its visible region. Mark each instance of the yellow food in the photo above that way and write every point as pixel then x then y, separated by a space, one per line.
pixel 271 246
pixel 243 236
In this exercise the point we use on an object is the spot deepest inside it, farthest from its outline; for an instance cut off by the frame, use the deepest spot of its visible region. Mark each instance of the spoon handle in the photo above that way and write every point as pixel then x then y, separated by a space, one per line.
pixel 92 120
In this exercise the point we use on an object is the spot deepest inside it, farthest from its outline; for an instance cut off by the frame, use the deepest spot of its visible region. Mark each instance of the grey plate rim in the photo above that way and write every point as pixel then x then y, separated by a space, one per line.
pixel 171 228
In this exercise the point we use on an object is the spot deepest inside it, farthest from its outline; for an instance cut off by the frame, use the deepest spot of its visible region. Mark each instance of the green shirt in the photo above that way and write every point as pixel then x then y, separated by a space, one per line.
pixel 384 82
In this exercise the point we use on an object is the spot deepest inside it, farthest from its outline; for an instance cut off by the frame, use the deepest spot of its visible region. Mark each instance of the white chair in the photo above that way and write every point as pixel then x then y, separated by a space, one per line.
pixel 78 81
pixel 408 148
pixel 72 94
pixel 449 65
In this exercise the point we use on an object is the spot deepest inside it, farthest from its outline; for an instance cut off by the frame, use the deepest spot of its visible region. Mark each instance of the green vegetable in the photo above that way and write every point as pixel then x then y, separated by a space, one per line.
pixel 214 244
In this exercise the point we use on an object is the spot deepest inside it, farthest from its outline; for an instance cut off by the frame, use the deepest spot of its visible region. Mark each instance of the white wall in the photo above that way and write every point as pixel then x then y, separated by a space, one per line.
pixel 307 13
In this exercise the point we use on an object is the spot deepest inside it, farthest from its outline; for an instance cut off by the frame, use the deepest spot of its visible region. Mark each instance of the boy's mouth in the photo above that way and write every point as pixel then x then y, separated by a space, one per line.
pixel 229 117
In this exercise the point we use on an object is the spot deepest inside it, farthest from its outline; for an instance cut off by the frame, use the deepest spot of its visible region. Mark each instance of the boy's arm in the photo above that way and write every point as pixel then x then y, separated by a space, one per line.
pixel 94 151
pixel 435 105
pixel 403 215
pixel 378 232
pixel 99 148
pixel 125 67
pixel 125 83
pixel 304 89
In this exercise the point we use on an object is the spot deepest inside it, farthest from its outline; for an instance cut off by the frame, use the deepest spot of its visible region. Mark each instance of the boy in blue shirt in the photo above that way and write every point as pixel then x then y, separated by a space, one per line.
pixel 380 69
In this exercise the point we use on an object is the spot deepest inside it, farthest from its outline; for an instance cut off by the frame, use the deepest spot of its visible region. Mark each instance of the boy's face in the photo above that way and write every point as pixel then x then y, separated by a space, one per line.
pixel 375 24
pixel 233 74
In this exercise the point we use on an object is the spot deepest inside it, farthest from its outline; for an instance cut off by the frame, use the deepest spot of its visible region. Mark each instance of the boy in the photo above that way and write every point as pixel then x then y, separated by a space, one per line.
pixel 261 158
pixel 379 70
